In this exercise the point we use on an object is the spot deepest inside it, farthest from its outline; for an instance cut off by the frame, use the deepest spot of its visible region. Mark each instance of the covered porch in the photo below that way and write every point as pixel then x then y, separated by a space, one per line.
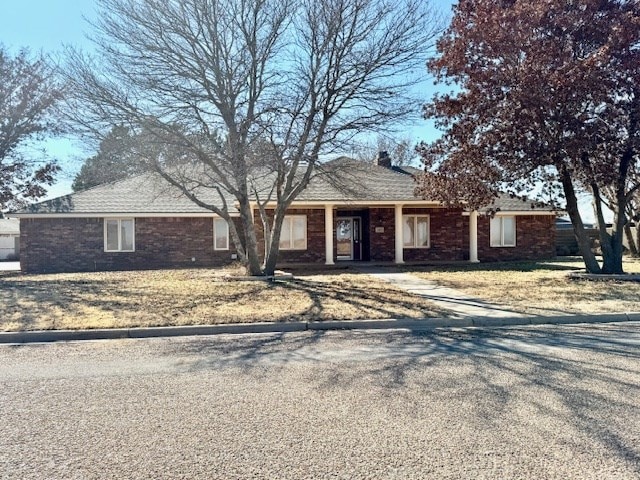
pixel 398 233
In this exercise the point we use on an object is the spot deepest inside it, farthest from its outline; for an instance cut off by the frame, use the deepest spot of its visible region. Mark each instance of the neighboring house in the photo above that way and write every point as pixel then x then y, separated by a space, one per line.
pixel 9 239
pixel 566 243
pixel 351 212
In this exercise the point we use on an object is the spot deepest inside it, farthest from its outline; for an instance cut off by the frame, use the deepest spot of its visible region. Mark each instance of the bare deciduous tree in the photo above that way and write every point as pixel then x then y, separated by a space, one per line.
pixel 249 94
pixel 28 95
pixel 401 150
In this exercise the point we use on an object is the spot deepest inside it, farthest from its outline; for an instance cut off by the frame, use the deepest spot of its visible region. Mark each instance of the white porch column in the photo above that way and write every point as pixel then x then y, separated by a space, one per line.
pixel 473 237
pixel 328 233
pixel 398 230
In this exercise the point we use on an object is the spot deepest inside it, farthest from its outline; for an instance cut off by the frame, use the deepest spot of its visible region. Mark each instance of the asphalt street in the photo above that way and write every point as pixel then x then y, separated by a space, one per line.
pixel 552 402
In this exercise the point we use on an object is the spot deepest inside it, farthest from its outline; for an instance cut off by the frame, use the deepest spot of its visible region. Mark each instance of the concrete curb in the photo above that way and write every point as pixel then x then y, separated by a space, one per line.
pixel 150 332
pixel 406 324
pixel 263 327
pixel 428 324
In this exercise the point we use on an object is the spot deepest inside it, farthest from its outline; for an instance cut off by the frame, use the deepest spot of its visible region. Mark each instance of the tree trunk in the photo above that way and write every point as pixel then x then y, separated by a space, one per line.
pixel 252 262
pixel 584 243
pixel 273 250
pixel 271 260
pixel 613 264
pixel 612 259
pixel 610 244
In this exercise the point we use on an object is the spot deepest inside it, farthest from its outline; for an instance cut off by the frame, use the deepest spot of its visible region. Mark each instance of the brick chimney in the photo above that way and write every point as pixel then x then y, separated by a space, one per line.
pixel 383 159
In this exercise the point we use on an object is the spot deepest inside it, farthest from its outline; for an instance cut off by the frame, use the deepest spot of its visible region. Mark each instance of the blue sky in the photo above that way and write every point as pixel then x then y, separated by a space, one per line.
pixel 42 24
pixel 48 25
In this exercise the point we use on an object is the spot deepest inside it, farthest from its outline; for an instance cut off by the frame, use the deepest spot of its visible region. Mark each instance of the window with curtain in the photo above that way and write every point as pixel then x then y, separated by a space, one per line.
pixel 415 231
pixel 293 235
pixel 220 234
pixel 119 235
pixel 503 231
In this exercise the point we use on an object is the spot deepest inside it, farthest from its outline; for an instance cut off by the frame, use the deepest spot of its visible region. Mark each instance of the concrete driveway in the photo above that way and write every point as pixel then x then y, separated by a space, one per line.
pixel 534 402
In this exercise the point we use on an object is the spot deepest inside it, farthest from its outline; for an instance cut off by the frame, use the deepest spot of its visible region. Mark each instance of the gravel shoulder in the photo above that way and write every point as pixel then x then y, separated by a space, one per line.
pixel 535 402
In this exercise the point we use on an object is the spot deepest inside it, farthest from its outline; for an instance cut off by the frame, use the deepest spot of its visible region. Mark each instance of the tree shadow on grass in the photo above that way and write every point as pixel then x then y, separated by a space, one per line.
pixel 364 302
pixel 566 265
pixel 45 303
pixel 104 301
pixel 547 294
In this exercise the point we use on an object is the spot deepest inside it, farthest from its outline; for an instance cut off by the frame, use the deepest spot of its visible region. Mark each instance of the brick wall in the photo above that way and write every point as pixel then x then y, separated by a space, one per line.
pixel 77 244
pixel 446 235
pixel 535 239
pixel 449 235
pixel 382 244
pixel 315 252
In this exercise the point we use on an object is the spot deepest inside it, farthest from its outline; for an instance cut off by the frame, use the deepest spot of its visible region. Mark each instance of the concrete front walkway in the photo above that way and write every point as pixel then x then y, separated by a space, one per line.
pixel 461 304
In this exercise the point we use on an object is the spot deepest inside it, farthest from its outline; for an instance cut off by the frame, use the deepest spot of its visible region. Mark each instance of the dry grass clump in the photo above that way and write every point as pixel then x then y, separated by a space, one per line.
pixel 192 297
pixel 541 288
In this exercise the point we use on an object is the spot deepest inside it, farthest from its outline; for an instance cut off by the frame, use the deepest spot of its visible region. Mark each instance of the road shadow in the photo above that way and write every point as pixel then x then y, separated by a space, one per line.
pixel 585 379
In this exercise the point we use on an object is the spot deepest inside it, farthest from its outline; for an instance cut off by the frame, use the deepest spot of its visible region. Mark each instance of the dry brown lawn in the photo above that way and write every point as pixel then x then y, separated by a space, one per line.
pixel 192 297
pixel 540 288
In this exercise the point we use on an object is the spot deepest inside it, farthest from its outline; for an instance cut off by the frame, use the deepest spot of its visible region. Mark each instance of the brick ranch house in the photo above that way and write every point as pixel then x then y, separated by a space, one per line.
pixel 143 223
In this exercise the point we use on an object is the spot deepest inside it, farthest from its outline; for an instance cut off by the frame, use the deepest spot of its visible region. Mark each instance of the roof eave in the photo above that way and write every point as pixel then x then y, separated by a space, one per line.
pixel 118 214
pixel 516 212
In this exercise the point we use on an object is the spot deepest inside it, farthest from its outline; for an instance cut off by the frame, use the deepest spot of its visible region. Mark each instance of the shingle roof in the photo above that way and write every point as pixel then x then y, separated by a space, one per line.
pixel 506 203
pixel 146 193
pixel 344 179
pixel 340 180
pixel 503 202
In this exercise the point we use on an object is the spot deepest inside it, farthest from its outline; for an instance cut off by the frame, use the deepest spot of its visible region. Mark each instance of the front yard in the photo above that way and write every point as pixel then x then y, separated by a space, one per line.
pixel 192 297
pixel 202 296
pixel 540 288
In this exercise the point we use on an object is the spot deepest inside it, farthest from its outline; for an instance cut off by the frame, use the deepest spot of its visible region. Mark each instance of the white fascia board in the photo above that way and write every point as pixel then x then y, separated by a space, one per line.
pixel 503 213
pixel 355 203
pixel 119 215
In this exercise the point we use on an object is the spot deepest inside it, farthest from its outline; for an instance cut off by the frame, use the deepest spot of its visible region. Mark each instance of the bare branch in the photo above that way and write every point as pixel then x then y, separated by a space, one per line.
pixel 249 94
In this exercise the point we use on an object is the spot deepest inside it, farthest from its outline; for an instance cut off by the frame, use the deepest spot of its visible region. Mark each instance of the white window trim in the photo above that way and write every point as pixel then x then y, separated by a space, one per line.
pixel 226 224
pixel 515 232
pixel 291 222
pixel 119 220
pixel 415 229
